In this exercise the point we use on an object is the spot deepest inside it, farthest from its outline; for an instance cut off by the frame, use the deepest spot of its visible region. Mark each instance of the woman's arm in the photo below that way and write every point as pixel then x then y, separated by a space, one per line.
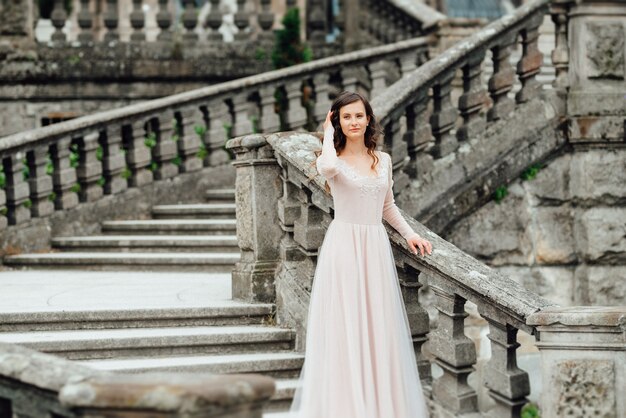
pixel 327 162
pixel 391 214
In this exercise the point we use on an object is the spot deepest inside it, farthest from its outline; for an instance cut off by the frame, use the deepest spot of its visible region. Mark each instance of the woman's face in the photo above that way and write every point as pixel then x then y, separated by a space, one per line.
pixel 353 120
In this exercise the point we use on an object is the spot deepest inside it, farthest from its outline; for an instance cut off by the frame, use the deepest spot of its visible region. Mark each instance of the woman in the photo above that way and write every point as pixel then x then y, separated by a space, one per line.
pixel 359 360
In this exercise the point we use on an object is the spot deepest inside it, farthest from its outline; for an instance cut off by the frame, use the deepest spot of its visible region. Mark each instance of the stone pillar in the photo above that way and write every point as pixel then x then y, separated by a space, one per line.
pixel 472 101
pixel 16 21
pixel 39 182
pixel 214 21
pixel 113 161
pixel 89 170
pixel 501 82
pixel 418 137
pixel 111 21
pixel 85 21
pixel 137 21
pixel 242 21
pixel 164 20
pixel 597 71
pixel 583 352
pixel 64 175
pixel 17 193
pixel 258 189
pixel 270 121
pixel 443 117
pixel 190 20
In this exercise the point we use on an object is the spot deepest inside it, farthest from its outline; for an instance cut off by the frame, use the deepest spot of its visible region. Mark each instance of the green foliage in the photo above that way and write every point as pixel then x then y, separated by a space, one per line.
pixel 254 120
pixel 229 130
pixel 177 161
pixel 177 130
pixel 99 153
pixel 153 166
pixel 52 197
pixel 28 204
pixel 49 165
pixel 500 193
pixel 74 156
pixel 101 182
pixel 150 140
pixel 3 178
pixel 75 188
pixel 74 59
pixel 530 410
pixel 531 172
pixel 4 211
pixel 200 130
pixel 126 173
pixel 288 47
pixel 260 54
pixel 202 152
pixel 25 169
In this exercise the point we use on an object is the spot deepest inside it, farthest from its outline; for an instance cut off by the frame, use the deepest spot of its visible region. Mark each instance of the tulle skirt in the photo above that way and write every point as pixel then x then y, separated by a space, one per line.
pixel 359 359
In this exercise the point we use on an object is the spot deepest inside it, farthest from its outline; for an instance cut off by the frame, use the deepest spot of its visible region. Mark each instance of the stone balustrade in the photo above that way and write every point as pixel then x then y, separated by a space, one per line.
pixel 283 213
pixel 34 384
pixel 85 159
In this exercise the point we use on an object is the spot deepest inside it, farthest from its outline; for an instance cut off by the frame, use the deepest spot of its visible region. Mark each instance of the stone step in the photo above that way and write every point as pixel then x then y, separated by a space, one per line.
pixel 277 364
pixel 219 313
pixel 148 243
pixel 197 211
pixel 153 342
pixel 220 195
pixel 116 261
pixel 171 227
pixel 283 397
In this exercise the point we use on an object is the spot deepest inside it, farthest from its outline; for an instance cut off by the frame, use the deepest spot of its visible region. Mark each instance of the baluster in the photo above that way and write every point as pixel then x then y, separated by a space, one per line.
pixel 89 170
pixel 454 352
pixel 64 175
pixel 113 161
pixel 288 213
pixel 16 188
pixel 111 21
pixel 85 21
pixel 39 182
pixel 530 64
pixel 354 79
pixel 378 75
pixel 473 98
pixel 270 121
pixel 418 318
pixel 508 385
pixel 242 21
pixel 501 82
pixel 443 117
pixel 296 113
pixel 190 21
pixel 219 123
pixel 241 111
pixel 164 20
pixel 560 54
pixel 58 17
pixel 322 98
pixel 266 21
pixel 308 229
pixel 398 150
pixel 408 62
pixel 138 155
pixel 4 222
pixel 418 137
pixel 190 119
pixel 137 21
pixel 316 22
pixel 165 126
pixel 214 21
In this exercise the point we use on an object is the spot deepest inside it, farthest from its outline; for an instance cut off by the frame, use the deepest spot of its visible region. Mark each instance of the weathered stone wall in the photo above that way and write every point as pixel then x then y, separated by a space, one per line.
pixel 134 203
pixel 562 234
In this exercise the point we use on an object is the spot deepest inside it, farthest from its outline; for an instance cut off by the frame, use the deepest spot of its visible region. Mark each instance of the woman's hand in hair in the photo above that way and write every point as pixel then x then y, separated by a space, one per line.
pixel 328 122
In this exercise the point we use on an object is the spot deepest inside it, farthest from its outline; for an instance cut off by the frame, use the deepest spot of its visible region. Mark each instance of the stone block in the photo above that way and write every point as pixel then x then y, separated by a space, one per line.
pixel 497 233
pixel 601 285
pixel 596 129
pixel 601 234
pixel 551 185
pixel 598 175
pixel 552 235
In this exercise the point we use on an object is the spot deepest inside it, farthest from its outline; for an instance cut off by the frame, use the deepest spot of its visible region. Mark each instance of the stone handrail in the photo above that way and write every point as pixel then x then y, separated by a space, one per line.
pixel 55 167
pixel 37 384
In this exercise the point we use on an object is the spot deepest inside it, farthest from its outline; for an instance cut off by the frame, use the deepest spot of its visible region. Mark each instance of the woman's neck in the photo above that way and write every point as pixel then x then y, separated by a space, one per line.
pixel 354 148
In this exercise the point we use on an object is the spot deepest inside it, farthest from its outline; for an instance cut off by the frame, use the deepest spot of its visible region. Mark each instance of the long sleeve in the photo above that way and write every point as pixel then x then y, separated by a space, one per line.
pixel 327 162
pixel 391 213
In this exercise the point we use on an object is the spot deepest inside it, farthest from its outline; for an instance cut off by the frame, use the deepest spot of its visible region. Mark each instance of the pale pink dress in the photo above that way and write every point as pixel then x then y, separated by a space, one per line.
pixel 359 360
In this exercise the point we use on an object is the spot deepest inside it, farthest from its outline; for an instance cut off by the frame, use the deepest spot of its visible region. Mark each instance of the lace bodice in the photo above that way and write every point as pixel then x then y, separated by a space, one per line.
pixel 359 198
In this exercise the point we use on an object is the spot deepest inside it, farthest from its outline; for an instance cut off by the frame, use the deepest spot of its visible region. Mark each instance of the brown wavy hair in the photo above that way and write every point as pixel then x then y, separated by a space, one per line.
pixel 372 131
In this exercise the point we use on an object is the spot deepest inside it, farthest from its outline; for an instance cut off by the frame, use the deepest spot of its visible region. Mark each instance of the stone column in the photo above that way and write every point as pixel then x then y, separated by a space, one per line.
pixel 597 71
pixel 583 352
pixel 258 189
pixel 16 21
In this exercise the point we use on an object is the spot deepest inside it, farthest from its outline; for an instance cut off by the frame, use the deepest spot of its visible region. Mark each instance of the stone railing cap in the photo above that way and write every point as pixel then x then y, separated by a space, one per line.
pixel 606 316
pixel 186 392
pixel 420 11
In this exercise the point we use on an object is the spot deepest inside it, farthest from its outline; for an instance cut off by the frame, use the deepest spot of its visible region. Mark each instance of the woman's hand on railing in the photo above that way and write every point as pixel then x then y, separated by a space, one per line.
pixel 416 242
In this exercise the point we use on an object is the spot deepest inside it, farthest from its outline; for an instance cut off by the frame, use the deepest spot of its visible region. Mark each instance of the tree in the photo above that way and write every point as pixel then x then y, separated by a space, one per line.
pixel 288 47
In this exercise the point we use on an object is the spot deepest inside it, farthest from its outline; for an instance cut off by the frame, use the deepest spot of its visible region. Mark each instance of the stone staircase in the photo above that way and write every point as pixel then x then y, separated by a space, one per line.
pixel 98 300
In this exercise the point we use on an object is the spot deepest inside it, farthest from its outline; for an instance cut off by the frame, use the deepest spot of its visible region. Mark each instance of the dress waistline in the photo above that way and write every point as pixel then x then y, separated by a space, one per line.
pixel 356 223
